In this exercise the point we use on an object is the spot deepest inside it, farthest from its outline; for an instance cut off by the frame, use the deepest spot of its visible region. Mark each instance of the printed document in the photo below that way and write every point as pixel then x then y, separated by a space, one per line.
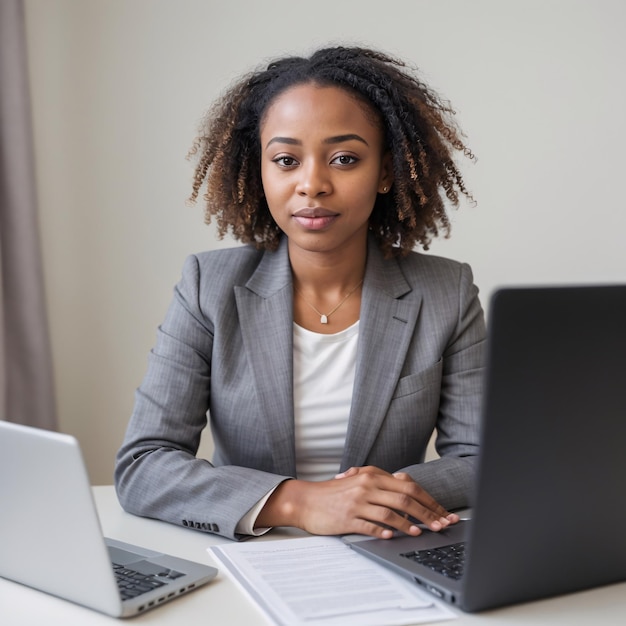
pixel 320 581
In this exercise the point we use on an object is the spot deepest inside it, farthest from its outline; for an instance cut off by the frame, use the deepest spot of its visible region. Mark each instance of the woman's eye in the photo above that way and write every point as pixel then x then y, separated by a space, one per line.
pixel 285 161
pixel 345 159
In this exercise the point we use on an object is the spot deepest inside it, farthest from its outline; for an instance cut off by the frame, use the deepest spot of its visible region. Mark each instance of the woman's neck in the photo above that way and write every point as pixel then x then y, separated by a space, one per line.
pixel 327 288
pixel 320 273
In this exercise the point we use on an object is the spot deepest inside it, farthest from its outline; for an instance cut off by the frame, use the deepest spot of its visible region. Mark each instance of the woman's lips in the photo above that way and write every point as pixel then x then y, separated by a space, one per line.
pixel 314 218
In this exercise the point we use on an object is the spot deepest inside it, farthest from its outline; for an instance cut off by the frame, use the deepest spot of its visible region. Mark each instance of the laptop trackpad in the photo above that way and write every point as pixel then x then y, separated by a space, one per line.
pixel 137 563
pixel 153 569
pixel 123 557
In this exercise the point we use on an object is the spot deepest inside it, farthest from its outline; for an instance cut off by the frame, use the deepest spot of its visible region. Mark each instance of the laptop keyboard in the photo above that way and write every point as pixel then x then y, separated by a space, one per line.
pixel 132 583
pixel 447 560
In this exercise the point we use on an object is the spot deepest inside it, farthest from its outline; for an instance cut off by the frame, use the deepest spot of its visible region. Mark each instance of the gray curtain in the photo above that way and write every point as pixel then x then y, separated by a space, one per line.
pixel 26 384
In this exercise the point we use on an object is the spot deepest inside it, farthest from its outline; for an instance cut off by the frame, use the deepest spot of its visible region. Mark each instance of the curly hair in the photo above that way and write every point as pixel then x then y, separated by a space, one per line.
pixel 419 131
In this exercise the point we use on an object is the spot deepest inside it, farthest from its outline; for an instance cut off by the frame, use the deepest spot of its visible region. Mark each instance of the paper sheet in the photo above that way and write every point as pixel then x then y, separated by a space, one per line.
pixel 320 581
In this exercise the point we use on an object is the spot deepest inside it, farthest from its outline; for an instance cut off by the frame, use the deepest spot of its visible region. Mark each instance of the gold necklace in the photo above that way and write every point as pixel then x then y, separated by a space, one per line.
pixel 324 317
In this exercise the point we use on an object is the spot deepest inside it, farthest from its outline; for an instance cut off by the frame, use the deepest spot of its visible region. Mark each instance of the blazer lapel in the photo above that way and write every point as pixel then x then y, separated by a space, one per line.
pixel 265 308
pixel 385 330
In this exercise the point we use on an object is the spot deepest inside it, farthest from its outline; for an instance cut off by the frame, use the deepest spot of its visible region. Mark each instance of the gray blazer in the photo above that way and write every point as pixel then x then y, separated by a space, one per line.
pixel 225 347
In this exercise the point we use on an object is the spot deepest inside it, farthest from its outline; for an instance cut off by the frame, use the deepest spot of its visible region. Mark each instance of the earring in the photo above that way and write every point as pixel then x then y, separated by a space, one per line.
pixel 385 189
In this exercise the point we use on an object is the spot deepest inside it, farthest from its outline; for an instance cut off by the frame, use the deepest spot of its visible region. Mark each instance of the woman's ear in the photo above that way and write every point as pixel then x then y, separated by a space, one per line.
pixel 386 173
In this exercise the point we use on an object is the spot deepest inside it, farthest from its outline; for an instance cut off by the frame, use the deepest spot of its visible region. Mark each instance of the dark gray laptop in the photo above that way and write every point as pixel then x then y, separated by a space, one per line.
pixel 550 502
pixel 50 536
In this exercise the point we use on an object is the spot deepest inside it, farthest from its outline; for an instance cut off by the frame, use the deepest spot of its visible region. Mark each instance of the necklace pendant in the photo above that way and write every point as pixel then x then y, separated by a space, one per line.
pixel 324 319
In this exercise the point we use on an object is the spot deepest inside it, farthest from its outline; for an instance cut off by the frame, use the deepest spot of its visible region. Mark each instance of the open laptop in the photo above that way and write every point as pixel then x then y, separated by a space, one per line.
pixel 50 535
pixel 551 490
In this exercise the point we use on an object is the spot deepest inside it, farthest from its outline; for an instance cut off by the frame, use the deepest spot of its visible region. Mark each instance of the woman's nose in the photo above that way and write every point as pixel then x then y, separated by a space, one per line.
pixel 314 180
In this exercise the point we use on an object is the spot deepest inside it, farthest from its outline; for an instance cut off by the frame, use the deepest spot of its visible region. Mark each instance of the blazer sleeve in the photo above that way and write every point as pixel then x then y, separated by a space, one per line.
pixel 157 473
pixel 450 478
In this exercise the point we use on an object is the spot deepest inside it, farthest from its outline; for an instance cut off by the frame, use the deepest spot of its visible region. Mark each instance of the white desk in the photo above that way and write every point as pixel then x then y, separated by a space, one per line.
pixel 221 603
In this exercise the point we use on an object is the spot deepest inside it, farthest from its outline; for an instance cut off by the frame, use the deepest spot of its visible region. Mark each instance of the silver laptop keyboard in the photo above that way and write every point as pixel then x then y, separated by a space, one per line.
pixel 447 560
pixel 132 583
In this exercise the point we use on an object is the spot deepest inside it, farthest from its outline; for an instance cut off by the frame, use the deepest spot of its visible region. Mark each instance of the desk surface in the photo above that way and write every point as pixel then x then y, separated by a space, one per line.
pixel 221 603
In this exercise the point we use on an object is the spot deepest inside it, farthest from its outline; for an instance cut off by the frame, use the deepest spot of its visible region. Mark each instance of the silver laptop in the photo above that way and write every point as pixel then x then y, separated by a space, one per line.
pixel 551 492
pixel 50 535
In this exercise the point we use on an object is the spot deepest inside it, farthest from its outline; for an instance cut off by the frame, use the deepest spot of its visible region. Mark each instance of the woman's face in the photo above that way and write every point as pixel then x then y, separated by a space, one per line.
pixel 322 164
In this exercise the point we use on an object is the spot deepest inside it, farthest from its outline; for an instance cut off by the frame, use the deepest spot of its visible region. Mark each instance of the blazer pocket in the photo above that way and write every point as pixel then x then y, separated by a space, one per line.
pixel 416 382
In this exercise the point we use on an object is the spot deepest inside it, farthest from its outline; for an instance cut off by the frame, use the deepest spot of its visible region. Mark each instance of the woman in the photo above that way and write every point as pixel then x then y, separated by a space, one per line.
pixel 325 351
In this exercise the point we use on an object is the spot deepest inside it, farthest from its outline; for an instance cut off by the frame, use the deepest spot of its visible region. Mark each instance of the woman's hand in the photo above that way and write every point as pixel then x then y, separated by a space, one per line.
pixel 363 500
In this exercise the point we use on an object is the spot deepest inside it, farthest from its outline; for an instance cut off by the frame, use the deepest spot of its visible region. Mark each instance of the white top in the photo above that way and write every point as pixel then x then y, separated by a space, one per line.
pixel 323 379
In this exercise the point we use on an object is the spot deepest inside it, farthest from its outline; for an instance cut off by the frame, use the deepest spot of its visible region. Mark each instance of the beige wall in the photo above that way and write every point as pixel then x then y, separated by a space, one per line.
pixel 119 86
